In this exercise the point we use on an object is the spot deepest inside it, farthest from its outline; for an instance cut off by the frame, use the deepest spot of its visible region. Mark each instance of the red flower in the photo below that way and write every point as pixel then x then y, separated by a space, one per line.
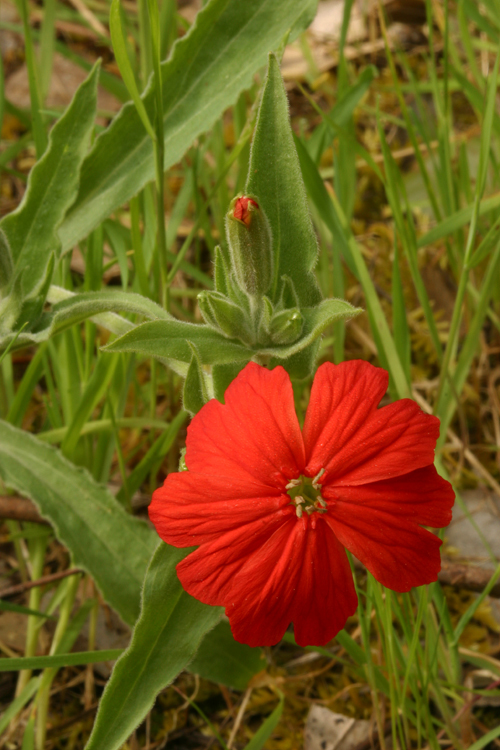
pixel 271 508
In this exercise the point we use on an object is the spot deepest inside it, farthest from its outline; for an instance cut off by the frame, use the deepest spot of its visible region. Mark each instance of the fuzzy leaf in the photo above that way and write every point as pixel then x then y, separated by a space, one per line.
pixel 165 339
pixel 71 309
pixel 164 641
pixel 31 229
pixel 274 177
pixel 113 547
pixel 208 69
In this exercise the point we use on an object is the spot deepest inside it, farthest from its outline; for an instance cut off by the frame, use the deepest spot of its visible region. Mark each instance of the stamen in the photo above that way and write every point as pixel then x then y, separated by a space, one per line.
pixel 298 502
pixel 292 483
pixel 316 478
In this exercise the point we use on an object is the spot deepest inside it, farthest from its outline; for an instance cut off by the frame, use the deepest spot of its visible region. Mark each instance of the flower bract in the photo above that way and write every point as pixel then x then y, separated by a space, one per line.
pixel 272 508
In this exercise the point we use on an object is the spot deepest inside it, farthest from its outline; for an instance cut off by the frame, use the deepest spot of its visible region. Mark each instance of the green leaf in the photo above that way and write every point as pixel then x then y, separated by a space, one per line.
pixel 155 454
pixel 52 187
pixel 112 546
pixel 120 51
pixel 274 177
pixel 164 641
pixel 70 309
pixel 223 660
pixel 59 660
pixel 95 390
pixel 10 607
pixel 331 212
pixel 18 703
pixel 458 220
pixel 265 731
pixel 165 339
pixel 209 67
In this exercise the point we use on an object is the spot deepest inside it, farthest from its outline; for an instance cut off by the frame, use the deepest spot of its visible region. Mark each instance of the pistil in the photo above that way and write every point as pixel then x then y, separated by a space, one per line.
pixel 305 494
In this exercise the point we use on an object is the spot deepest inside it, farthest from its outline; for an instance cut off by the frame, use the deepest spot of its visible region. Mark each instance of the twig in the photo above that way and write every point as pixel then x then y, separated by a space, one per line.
pixel 467 577
pixel 91 19
pixel 20 509
pixel 27 585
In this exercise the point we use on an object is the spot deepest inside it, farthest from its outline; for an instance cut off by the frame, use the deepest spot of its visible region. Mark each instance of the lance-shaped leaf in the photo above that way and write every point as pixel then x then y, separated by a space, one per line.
pixel 274 177
pixel 31 229
pixel 113 547
pixel 69 309
pixel 171 339
pixel 164 641
pixel 207 71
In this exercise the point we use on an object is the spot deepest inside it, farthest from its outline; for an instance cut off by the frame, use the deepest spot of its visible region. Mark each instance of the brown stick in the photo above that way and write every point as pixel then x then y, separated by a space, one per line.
pixel 458 575
pixel 20 509
pixel 468 577
pixel 22 587
pixel 461 576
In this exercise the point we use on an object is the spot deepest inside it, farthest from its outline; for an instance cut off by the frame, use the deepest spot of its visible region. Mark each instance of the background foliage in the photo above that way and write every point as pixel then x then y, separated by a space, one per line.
pixel 110 232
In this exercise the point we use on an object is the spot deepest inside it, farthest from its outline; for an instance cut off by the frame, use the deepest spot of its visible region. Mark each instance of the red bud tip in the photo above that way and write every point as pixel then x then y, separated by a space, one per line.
pixel 241 210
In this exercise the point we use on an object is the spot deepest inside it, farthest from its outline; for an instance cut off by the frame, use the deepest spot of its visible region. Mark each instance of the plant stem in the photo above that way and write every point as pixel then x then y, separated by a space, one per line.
pixel 43 697
pixel 159 148
pixel 37 548
pixel 39 133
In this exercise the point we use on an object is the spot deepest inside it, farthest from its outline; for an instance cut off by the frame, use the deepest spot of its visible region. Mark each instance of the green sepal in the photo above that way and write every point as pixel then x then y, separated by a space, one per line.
pixel 221 273
pixel 300 365
pixel 286 326
pixel 289 297
pixel 316 320
pixel 251 246
pixel 195 394
pixel 225 316
pixel 182 460
pixel 267 312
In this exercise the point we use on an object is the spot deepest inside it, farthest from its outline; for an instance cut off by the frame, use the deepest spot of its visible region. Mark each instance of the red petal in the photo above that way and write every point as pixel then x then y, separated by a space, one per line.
pixel 261 603
pixel 255 436
pixel 325 595
pixel 191 509
pixel 345 434
pixel 301 575
pixel 421 496
pixel 378 523
pixel 210 574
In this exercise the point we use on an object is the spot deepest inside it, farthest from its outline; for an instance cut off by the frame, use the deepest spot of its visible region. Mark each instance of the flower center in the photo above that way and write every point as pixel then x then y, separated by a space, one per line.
pixel 305 494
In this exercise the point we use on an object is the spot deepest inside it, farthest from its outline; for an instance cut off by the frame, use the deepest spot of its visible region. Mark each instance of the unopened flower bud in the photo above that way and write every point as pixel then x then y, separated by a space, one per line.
pixel 286 326
pixel 250 242
pixel 224 315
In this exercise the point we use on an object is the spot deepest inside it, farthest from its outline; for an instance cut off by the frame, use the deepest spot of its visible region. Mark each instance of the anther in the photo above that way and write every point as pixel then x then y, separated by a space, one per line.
pixel 317 478
pixel 292 483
